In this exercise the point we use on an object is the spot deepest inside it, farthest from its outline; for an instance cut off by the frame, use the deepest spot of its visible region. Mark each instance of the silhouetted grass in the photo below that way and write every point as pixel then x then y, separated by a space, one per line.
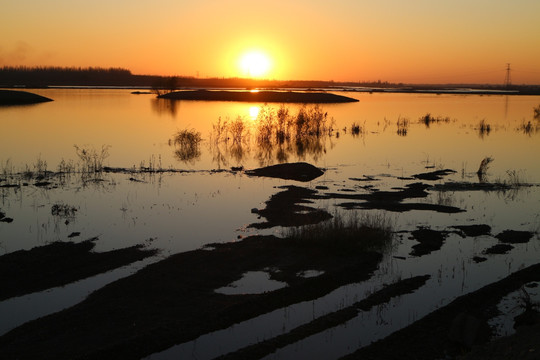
pixel 92 159
pixel 483 128
pixel 429 119
pixel 187 145
pixel 529 128
pixel 483 168
pixel 351 232
pixel 357 129
pixel 402 126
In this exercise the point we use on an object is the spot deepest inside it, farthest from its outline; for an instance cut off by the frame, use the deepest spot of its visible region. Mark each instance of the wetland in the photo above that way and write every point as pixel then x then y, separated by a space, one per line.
pixel 138 227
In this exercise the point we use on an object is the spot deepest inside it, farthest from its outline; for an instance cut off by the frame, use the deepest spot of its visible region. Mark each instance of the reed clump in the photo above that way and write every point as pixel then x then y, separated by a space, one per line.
pixel 351 232
pixel 402 126
pixel 429 119
pixel 92 159
pixel 187 144
pixel 529 128
pixel 483 168
pixel 484 128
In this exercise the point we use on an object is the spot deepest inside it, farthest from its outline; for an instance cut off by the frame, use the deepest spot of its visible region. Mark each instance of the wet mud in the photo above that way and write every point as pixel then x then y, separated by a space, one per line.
pixel 59 263
pixel 173 301
pixel 461 326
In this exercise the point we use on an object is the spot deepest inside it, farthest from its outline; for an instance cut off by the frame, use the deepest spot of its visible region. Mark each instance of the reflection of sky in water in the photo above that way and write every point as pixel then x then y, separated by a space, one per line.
pixel 179 212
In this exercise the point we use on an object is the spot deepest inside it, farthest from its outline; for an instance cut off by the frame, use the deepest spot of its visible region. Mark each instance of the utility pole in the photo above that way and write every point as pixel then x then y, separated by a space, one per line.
pixel 507 81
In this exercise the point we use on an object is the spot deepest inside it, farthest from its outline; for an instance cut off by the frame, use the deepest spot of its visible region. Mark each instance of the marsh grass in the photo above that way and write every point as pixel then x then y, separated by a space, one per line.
pixel 92 159
pixel 358 130
pixel 529 128
pixel 63 210
pixel 483 128
pixel 483 168
pixel 402 126
pixel 350 232
pixel 187 145
pixel 429 119
pixel 536 112
pixel 274 135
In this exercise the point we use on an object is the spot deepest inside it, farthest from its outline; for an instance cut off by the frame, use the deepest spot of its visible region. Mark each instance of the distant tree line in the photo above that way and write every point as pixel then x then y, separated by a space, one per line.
pixel 63 76
pixel 11 76
pixel 15 76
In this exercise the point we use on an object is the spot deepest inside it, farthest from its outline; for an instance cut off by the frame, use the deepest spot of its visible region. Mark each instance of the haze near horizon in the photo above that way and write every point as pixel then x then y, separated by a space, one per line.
pixel 411 42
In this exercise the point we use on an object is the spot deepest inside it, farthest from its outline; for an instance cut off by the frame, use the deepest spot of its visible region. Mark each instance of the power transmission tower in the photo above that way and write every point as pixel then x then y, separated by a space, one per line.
pixel 507 81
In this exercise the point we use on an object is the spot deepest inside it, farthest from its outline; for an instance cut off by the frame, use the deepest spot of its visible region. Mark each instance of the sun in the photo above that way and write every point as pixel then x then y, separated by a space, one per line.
pixel 255 64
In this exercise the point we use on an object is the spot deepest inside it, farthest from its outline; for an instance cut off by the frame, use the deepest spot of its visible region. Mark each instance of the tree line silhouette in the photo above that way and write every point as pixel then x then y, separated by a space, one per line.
pixel 23 76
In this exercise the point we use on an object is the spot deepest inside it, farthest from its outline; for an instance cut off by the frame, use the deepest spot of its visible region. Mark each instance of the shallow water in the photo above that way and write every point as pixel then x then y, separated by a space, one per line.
pixel 176 212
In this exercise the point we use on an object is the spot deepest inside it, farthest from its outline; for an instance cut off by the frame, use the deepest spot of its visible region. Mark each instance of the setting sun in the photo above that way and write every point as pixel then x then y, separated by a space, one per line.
pixel 255 64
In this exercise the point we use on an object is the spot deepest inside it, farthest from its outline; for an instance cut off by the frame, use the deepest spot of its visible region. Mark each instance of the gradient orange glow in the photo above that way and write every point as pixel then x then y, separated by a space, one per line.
pixel 416 41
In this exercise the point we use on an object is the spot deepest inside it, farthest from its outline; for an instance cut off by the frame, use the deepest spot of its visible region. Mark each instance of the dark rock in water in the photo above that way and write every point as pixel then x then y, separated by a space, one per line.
pixel 499 249
pixel 479 259
pixel 11 97
pixel 294 171
pixel 474 230
pixel 429 240
pixel 434 175
pixel 514 236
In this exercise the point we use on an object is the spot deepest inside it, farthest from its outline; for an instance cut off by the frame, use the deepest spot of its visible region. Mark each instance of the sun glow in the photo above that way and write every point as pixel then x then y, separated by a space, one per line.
pixel 255 64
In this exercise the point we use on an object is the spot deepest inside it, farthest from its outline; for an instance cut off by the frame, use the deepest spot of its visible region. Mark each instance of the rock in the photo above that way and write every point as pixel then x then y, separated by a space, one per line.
pixel 300 171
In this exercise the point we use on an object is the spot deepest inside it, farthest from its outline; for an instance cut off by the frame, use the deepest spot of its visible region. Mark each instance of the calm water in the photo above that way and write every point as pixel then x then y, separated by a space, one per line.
pixel 181 211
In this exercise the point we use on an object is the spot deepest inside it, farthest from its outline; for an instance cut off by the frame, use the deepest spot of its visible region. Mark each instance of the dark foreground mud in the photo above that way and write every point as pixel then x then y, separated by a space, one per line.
pixel 458 328
pixel 26 271
pixel 173 301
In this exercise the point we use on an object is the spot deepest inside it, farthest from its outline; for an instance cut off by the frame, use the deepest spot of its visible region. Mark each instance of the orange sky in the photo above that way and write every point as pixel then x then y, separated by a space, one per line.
pixel 416 41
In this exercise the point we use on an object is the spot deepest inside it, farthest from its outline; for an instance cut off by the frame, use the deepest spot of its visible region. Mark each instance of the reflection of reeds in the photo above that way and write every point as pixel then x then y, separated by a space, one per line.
pixel 528 128
pixel 353 232
pixel 483 128
pixel 428 119
pixel 402 126
pixel 537 112
pixel 277 135
pixel 187 145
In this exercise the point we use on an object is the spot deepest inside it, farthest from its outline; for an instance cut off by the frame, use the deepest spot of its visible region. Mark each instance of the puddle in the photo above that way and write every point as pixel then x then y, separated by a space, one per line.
pixel 252 282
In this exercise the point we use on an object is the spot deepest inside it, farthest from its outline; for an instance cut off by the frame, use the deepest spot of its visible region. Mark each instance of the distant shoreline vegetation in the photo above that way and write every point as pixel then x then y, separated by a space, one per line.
pixel 40 77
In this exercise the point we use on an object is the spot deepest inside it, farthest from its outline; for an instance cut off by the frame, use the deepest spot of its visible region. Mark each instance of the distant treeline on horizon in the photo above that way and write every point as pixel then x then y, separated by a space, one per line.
pixel 95 76
pixel 23 76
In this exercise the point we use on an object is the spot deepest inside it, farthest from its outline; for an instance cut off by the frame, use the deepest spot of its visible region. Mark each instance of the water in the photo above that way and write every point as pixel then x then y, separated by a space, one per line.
pixel 176 212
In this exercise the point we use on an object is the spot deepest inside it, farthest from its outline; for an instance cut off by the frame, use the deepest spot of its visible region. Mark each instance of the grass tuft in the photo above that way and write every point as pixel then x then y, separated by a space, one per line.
pixel 187 145
pixel 351 232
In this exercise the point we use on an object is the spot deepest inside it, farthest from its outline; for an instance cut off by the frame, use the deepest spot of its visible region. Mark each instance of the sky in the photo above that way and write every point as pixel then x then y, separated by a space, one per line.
pixel 413 41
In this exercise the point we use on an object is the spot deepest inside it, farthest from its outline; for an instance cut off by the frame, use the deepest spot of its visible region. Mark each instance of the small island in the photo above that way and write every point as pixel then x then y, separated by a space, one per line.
pixel 258 96
pixel 12 97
